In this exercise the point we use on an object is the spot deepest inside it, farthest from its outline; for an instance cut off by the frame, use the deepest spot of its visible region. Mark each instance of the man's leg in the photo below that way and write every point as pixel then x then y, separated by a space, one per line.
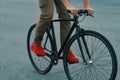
pixel 47 8
pixel 64 28
pixel 62 13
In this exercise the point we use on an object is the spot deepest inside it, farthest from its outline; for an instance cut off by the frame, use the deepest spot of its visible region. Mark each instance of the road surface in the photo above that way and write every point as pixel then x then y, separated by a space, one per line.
pixel 16 16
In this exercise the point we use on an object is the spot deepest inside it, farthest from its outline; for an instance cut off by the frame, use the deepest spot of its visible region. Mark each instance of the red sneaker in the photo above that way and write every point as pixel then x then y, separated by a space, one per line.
pixel 72 58
pixel 37 49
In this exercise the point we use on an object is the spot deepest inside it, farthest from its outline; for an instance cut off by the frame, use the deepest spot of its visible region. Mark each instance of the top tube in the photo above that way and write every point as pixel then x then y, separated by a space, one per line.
pixel 56 20
pixel 81 12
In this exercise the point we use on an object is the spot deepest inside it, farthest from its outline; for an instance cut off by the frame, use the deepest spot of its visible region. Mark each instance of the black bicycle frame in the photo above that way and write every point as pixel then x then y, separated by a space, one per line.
pixel 75 20
pixel 75 25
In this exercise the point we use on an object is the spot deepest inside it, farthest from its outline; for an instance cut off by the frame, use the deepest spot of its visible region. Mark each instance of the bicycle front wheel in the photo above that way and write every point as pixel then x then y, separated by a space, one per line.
pixel 102 63
pixel 41 64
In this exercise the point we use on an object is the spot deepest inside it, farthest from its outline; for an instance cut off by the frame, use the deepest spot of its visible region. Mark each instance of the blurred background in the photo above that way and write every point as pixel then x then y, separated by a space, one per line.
pixel 16 16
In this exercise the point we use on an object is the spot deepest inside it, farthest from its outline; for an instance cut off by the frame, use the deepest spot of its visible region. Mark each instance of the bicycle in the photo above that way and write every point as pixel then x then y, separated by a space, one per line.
pixel 97 56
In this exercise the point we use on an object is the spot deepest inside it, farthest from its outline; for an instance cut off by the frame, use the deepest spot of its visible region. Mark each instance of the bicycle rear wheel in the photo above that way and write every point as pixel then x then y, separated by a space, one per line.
pixel 41 64
pixel 103 62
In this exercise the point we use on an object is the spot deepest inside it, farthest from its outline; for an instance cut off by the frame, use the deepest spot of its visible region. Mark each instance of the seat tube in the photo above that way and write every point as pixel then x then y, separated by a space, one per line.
pixel 54 38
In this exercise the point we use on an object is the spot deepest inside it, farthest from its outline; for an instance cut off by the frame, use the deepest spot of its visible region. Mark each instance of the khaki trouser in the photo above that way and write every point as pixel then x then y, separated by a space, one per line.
pixel 47 10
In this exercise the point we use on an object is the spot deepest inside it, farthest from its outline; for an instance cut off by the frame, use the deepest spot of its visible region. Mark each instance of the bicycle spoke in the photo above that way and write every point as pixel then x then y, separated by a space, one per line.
pixel 99 67
pixel 41 64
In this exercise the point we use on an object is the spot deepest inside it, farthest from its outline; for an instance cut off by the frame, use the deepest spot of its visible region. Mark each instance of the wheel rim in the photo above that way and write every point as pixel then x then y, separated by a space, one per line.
pixel 100 67
pixel 41 64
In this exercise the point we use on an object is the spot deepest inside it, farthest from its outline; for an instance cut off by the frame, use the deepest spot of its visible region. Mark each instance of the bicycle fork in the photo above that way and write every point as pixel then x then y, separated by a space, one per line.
pixel 81 31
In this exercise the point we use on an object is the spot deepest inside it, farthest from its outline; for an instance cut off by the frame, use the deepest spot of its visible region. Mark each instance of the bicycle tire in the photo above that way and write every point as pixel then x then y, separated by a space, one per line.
pixel 41 64
pixel 104 60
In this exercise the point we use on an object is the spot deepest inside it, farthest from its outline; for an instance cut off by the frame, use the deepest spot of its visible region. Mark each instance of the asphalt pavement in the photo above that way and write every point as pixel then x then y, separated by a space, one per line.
pixel 16 16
